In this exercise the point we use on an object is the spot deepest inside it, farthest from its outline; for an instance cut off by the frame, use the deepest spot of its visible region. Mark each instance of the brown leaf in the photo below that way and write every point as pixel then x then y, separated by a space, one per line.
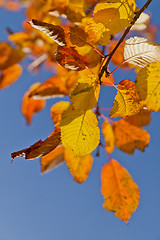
pixel 40 148
pixel 71 59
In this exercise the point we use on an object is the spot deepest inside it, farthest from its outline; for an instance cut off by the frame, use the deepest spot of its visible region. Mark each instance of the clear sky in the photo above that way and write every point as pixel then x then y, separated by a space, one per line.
pixel 53 206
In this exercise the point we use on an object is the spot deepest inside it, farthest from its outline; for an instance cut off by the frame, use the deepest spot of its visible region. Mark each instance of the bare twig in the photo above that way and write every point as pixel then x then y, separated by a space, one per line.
pixel 137 15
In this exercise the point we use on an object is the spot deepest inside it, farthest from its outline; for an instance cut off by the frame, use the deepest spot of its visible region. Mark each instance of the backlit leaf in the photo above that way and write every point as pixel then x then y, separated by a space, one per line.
pixel 71 59
pixel 40 148
pixel 57 110
pixel 80 131
pixel 86 93
pixel 120 192
pixel 115 15
pixel 52 160
pixel 148 86
pixel 143 118
pixel 126 102
pixel 129 137
pixel 30 105
pixel 79 166
pixel 10 75
pixel 108 134
pixel 140 52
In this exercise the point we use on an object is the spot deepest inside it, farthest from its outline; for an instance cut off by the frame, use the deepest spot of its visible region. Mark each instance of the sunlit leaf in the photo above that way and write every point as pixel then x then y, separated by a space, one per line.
pixel 71 59
pixel 126 102
pixel 115 15
pixel 79 131
pixel 140 52
pixel 128 137
pixel 52 160
pixel 30 105
pixel 79 166
pixel 143 118
pixel 86 93
pixel 120 192
pixel 108 134
pixel 141 23
pixel 10 75
pixel 57 110
pixel 148 86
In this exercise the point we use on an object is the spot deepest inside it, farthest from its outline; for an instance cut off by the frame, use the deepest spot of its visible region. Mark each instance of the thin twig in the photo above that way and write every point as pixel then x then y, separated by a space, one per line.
pixel 137 15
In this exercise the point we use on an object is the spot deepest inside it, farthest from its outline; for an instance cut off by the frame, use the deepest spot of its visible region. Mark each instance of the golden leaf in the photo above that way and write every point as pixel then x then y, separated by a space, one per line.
pixel 86 93
pixel 148 86
pixel 126 102
pixel 129 137
pixel 115 15
pixel 57 110
pixel 108 134
pixel 79 166
pixel 79 131
pixel 120 192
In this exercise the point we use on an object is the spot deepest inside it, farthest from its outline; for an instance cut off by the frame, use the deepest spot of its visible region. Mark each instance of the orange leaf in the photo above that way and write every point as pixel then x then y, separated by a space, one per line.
pixel 5 50
pixel 129 137
pixel 108 134
pixel 57 110
pixel 10 75
pixel 52 160
pixel 78 166
pixel 143 118
pixel 52 87
pixel 30 105
pixel 40 148
pixel 120 192
pixel 71 59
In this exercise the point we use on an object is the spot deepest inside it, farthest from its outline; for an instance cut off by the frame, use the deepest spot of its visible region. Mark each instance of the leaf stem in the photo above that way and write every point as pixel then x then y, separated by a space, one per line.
pixel 137 15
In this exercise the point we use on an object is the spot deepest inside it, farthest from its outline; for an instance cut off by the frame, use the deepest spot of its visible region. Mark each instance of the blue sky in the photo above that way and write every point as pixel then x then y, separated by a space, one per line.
pixel 53 206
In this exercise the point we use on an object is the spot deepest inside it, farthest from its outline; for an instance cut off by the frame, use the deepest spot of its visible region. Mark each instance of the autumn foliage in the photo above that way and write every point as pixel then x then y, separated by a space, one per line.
pixel 78 41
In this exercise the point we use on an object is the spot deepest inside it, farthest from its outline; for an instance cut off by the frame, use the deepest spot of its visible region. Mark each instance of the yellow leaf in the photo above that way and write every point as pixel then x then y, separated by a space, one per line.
pixel 79 166
pixel 86 93
pixel 129 137
pixel 126 102
pixel 57 111
pixel 115 15
pixel 79 131
pixel 148 86
pixel 52 160
pixel 97 33
pixel 108 134
pixel 120 192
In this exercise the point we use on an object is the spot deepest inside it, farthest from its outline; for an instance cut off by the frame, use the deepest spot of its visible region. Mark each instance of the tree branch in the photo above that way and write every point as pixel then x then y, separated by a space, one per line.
pixel 137 15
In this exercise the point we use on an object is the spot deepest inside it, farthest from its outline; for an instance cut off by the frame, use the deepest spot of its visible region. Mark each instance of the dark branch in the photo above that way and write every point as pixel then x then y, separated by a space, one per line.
pixel 137 15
